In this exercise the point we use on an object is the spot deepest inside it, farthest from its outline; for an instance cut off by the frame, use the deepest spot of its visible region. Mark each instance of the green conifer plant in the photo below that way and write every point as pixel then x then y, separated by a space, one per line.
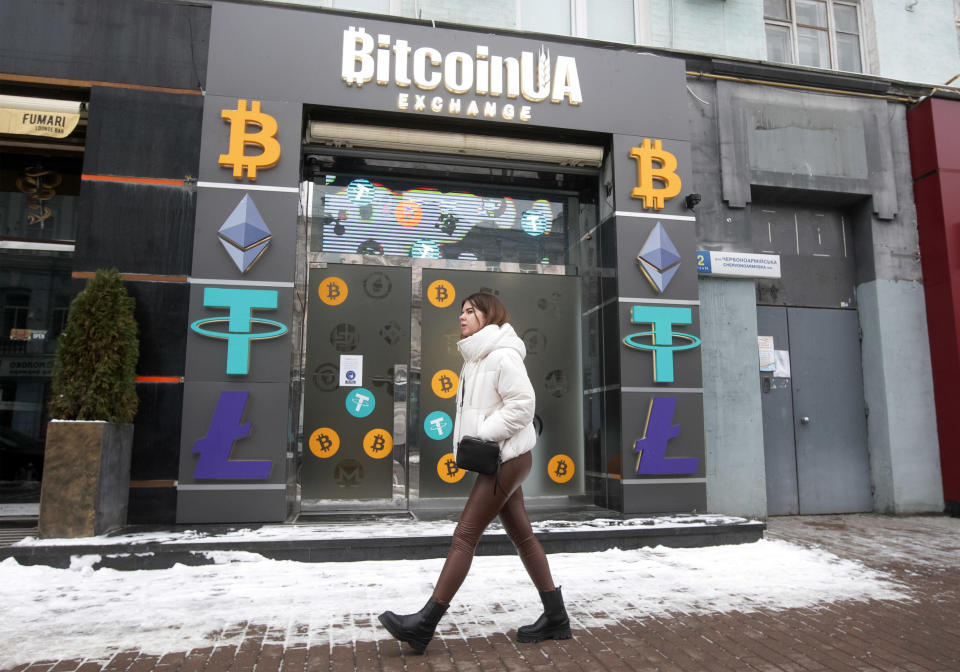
pixel 94 373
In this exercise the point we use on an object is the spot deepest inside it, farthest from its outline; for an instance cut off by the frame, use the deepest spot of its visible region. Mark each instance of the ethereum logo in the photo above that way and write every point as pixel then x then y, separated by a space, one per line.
pixel 245 235
pixel 658 258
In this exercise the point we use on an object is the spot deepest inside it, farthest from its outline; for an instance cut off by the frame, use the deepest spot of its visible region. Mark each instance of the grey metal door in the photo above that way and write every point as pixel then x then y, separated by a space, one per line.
pixel 779 443
pixel 826 417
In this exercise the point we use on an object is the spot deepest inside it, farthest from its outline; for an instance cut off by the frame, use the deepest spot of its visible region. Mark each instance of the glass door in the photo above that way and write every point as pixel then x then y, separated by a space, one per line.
pixel 355 387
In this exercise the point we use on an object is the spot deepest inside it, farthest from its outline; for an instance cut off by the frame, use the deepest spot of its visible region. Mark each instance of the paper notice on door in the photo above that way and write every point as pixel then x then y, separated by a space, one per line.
pixel 782 369
pixel 351 370
pixel 765 344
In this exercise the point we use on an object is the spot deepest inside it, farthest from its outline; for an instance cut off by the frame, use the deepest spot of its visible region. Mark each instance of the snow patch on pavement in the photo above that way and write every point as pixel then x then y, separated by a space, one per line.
pixel 88 613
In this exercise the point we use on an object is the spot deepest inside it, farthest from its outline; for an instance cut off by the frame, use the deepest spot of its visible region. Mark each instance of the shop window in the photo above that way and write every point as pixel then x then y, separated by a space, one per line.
pixel 816 33
pixel 426 219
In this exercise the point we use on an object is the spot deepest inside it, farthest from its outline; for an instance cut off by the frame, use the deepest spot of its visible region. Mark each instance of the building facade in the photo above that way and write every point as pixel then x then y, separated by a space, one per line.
pixel 713 261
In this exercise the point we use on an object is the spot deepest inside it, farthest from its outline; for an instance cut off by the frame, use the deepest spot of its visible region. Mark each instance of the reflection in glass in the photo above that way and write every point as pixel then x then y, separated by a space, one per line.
pixel 424 221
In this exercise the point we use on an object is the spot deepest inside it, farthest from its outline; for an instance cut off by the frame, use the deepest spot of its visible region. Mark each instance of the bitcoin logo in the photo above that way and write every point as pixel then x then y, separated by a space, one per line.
pixel 647 173
pixel 444 383
pixel 332 291
pixel 324 443
pixel 441 293
pixel 408 213
pixel 560 468
pixel 378 443
pixel 448 471
pixel 240 137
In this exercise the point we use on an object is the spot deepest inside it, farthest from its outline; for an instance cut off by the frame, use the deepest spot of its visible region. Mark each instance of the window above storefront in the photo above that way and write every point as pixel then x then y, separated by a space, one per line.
pixel 816 33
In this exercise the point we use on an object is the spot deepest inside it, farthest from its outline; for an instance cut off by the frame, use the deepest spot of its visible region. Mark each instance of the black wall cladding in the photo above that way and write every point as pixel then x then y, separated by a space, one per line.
pixel 144 42
pixel 143 133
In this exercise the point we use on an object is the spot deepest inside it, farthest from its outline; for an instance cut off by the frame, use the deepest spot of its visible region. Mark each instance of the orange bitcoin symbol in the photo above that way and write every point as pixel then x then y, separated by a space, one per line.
pixel 441 293
pixel 408 213
pixel 448 471
pixel 647 173
pixel 266 138
pixel 378 443
pixel 324 443
pixel 560 468
pixel 444 383
pixel 332 291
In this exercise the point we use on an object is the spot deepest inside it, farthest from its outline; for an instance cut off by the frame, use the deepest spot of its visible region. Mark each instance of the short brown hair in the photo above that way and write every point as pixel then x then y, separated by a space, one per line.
pixel 494 312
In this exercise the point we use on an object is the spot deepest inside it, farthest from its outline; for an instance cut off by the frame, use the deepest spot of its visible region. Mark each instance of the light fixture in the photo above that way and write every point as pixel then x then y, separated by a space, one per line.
pixel 691 200
pixel 463 144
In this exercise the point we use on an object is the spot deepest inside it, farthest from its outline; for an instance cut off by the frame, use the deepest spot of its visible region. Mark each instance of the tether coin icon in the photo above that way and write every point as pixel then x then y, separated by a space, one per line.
pixel 560 468
pixel 441 293
pixel 332 291
pixel 444 383
pixel 324 443
pixel 448 471
pixel 360 402
pixel 438 425
pixel 378 443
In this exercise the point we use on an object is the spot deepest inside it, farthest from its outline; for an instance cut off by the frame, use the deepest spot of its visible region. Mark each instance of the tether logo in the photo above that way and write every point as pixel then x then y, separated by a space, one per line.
pixel 662 319
pixel 240 137
pixel 645 156
pixel 241 303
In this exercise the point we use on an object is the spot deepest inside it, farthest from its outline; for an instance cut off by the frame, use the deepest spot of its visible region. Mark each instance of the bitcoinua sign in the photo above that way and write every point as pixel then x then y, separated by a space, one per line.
pixel 481 76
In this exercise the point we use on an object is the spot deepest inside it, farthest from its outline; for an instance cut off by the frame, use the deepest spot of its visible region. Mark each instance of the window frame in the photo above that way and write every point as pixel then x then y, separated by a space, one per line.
pixel 792 26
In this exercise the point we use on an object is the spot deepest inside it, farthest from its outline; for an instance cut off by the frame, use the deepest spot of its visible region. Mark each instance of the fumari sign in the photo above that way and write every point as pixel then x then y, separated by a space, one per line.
pixel 533 77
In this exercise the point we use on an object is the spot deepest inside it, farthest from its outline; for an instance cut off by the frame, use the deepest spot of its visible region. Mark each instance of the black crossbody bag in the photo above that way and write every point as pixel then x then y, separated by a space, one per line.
pixel 475 454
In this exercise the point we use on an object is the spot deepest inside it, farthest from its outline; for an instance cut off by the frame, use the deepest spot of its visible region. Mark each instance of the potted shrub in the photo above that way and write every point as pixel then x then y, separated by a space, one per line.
pixel 86 474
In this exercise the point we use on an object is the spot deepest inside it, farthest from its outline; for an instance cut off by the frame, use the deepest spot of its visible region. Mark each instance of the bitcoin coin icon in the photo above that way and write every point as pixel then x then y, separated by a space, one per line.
pixel 444 383
pixel 324 443
pixel 378 443
pixel 240 137
pixel 332 291
pixel 560 468
pixel 448 471
pixel 647 173
pixel 441 293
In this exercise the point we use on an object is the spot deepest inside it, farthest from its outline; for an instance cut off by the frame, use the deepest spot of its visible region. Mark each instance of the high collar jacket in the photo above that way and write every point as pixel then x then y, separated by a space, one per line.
pixel 495 400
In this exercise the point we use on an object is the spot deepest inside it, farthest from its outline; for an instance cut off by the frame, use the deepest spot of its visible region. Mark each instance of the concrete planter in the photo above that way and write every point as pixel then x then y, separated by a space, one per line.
pixel 86 478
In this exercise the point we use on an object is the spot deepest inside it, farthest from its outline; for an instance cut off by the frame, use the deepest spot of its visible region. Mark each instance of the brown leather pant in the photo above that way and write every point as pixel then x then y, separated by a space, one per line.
pixel 482 507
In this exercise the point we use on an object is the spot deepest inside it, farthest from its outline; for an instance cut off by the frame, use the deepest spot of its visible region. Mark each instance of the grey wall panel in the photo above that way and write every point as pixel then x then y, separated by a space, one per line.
pixel 152 43
pixel 805 141
pixel 137 228
pixel 664 498
pixel 143 133
pixel 282 72
pixel 732 413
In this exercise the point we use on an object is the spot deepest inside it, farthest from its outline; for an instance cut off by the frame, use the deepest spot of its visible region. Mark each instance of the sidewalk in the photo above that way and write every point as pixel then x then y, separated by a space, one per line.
pixel 911 625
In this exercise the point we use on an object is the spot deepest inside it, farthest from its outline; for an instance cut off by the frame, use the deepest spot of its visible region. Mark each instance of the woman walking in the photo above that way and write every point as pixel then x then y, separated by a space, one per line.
pixel 495 402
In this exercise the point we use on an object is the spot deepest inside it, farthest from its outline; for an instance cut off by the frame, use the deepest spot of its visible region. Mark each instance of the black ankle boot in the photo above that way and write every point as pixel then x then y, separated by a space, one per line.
pixel 553 622
pixel 415 629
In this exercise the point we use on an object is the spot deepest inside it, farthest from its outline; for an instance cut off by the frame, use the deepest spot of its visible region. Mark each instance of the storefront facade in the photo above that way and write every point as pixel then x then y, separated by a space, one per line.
pixel 345 181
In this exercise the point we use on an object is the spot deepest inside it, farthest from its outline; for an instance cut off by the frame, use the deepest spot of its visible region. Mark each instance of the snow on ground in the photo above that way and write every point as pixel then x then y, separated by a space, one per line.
pixel 384 528
pixel 90 614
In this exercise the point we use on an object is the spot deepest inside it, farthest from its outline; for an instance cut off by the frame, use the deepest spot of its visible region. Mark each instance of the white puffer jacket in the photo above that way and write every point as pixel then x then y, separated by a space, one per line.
pixel 495 401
